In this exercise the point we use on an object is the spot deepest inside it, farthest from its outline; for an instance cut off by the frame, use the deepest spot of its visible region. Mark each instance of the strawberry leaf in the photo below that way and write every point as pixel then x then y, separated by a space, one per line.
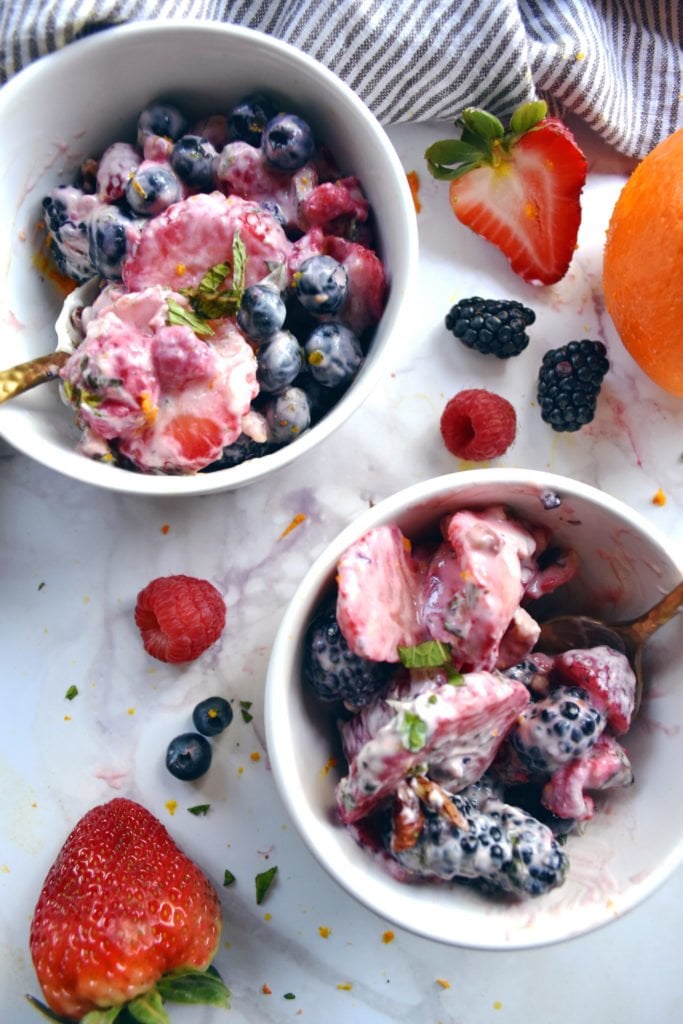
pixel 528 116
pixel 451 151
pixel 450 173
pixel 107 1016
pixel 191 987
pixel 482 124
pixel 148 1009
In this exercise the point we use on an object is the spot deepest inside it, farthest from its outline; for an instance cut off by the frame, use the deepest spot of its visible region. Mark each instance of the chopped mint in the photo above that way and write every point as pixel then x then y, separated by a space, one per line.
pixel 41 585
pixel 228 878
pixel 289 995
pixel 210 300
pixel 263 881
pixel 182 317
pixel 244 710
pixel 71 692
pixel 413 731
pixel 431 654
pixel 199 809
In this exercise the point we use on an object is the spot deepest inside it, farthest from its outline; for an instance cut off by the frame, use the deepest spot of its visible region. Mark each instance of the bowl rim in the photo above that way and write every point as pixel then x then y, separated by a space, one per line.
pixel 282 663
pixel 114 478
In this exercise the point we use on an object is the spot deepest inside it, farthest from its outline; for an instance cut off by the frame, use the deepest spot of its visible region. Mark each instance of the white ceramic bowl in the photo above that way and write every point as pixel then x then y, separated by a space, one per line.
pixel 635 840
pixel 72 104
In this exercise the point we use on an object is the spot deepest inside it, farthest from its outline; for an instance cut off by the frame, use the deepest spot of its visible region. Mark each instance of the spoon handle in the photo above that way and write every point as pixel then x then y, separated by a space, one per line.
pixel 20 378
pixel 645 625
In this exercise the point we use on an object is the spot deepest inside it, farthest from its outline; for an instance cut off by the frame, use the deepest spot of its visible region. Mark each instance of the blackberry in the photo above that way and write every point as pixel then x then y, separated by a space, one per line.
pixel 569 383
pixel 491 326
pixel 557 729
pixel 333 671
pixel 502 849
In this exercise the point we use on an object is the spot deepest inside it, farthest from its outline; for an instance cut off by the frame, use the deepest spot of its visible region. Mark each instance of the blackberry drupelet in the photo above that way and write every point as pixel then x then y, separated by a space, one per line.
pixel 557 729
pixel 491 326
pixel 569 383
pixel 333 671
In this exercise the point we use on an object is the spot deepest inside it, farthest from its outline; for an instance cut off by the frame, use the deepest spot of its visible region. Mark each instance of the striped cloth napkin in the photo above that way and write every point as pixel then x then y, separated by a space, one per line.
pixel 617 64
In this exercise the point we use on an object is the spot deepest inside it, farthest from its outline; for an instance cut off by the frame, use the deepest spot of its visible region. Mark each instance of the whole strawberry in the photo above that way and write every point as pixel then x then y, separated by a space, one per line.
pixel 125 918
pixel 520 189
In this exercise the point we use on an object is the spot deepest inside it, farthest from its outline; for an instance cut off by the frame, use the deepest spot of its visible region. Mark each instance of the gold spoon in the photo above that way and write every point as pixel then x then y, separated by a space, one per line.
pixel 567 632
pixel 25 376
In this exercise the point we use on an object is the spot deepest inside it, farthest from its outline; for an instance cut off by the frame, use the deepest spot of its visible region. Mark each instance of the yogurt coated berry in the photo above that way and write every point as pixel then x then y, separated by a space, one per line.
pixel 218 230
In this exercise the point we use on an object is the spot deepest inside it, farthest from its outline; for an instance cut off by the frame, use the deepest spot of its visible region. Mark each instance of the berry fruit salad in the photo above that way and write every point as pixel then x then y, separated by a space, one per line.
pixel 239 287
pixel 470 754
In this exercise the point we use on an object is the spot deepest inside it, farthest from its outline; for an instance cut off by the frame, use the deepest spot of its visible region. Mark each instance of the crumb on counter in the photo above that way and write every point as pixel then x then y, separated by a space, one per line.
pixel 497 1005
pixel 165 528
pixel 171 806
pixel 255 755
pixel 388 936
pixel 266 989
pixel 443 983
pixel 324 932
pixel 344 986
pixel 298 519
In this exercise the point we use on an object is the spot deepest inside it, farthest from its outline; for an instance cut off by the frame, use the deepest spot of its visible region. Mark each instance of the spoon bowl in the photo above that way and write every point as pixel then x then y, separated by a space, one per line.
pixel 566 632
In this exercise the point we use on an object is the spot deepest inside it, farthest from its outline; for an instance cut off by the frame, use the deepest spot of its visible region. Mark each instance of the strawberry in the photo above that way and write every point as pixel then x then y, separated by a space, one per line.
pixel 124 918
pixel 520 189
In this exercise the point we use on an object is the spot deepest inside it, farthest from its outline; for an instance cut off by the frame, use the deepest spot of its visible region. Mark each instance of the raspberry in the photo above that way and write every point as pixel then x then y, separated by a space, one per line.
pixel 179 617
pixel 491 326
pixel 477 424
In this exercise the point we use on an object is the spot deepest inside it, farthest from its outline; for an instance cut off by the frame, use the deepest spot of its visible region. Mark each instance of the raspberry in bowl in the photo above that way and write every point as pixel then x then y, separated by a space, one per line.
pixel 454 778
pixel 254 239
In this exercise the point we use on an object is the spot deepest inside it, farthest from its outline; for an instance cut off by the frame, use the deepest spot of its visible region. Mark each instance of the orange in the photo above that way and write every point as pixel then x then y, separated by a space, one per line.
pixel 643 264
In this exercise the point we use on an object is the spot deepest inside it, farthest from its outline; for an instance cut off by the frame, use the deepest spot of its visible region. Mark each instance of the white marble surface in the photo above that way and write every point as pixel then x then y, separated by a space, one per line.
pixel 74 558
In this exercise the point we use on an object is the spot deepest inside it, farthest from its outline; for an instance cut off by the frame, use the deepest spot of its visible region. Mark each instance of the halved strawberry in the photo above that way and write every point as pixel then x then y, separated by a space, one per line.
pixel 520 189
pixel 125 921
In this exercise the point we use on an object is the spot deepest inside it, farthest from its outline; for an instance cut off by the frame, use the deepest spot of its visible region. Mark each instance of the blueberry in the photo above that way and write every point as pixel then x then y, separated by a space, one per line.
pixel 288 415
pixel 262 312
pixel 188 756
pixel 152 189
pixel 192 159
pixel 249 117
pixel 333 354
pixel 280 361
pixel 160 119
pixel 212 716
pixel 287 142
pixel 275 211
pixel 321 284
pixel 111 234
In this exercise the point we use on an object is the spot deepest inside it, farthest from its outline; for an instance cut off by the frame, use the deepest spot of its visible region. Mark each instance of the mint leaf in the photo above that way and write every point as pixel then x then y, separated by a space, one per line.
pixel 192 987
pixel 244 710
pixel 413 731
pixel 71 692
pixel 214 278
pixel 430 654
pixel 228 878
pixel 454 678
pixel 199 809
pixel 181 317
pixel 239 264
pixel 263 883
